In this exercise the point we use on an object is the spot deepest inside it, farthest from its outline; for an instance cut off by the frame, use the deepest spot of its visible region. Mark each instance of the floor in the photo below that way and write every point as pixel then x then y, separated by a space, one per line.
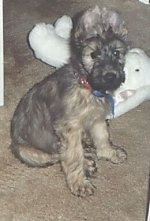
pixel 1 56
pixel 31 194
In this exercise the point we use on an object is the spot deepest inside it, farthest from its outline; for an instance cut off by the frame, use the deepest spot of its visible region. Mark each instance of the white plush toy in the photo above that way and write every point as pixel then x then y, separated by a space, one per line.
pixel 136 88
pixel 51 45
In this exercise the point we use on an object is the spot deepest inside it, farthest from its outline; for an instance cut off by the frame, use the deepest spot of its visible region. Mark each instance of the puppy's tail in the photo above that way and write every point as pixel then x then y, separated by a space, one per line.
pixel 34 157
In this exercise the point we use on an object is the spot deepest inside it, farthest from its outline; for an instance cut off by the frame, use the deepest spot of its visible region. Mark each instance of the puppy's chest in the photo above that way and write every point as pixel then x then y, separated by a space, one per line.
pixel 85 106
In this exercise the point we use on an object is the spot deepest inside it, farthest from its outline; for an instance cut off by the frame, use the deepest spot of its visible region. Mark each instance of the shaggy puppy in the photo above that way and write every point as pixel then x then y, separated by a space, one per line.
pixel 54 118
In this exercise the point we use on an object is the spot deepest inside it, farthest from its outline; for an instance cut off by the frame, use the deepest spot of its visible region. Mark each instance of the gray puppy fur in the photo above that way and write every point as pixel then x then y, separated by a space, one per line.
pixel 55 115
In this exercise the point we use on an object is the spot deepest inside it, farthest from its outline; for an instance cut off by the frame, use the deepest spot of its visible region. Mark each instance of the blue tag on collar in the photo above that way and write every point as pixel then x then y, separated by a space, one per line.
pixel 108 97
pixel 98 94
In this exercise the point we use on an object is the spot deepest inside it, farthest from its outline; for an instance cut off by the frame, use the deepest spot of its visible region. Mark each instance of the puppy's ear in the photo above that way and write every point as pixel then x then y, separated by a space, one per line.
pixel 86 23
pixel 90 18
pixel 112 19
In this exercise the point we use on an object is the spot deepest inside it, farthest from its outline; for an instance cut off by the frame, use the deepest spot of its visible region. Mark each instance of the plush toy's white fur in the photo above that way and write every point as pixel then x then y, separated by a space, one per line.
pixel 136 88
pixel 51 45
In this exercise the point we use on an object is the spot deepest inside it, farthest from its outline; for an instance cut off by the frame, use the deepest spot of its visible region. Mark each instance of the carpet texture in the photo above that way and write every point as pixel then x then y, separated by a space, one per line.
pixel 31 194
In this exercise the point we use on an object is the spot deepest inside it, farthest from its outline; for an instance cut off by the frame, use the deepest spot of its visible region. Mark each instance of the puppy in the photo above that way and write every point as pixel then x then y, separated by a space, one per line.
pixel 56 115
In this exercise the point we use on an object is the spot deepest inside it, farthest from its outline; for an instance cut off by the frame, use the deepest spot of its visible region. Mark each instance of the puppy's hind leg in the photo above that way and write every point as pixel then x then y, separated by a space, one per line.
pixel 90 158
pixel 33 157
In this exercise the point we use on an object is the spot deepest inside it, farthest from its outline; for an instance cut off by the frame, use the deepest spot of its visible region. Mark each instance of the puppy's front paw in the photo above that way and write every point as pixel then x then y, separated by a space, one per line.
pixel 118 155
pixel 82 189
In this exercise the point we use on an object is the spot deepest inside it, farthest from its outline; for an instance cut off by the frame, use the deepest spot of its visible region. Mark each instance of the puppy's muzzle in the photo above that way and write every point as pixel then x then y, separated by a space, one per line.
pixel 112 76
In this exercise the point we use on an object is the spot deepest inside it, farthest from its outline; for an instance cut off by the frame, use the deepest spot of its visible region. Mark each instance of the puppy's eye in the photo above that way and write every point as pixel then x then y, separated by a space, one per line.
pixel 95 54
pixel 116 53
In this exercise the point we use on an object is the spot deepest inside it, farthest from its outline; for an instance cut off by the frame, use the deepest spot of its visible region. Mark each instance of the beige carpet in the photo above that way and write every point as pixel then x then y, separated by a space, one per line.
pixel 31 194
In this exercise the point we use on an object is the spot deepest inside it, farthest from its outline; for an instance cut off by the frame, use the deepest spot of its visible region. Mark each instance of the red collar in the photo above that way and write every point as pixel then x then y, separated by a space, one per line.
pixel 85 83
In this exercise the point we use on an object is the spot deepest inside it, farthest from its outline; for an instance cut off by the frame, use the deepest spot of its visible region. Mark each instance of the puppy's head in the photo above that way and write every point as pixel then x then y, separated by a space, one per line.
pixel 98 43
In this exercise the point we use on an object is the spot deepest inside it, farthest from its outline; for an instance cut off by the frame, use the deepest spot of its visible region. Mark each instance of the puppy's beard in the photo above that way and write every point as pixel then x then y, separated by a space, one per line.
pixel 105 77
pixel 102 85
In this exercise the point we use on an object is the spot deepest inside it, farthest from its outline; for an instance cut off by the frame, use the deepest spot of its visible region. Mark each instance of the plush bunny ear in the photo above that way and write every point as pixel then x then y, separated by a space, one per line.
pixel 86 23
pixel 112 19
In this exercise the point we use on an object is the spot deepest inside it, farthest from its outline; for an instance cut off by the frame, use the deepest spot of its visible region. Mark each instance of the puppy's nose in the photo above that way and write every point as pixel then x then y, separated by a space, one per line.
pixel 110 76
